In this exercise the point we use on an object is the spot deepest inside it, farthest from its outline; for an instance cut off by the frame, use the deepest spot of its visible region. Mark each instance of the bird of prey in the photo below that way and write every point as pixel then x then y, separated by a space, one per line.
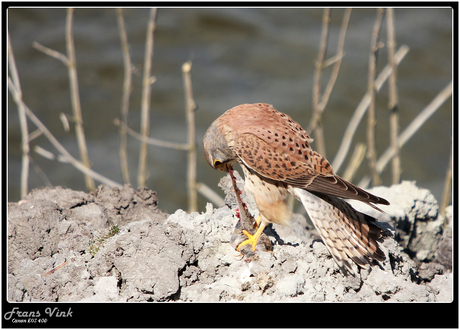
pixel 275 155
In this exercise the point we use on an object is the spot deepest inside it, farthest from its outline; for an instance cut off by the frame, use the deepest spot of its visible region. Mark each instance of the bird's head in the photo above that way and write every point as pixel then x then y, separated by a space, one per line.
pixel 216 149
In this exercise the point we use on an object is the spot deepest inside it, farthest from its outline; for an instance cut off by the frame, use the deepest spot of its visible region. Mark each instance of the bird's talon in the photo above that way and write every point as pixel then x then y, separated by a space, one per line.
pixel 252 239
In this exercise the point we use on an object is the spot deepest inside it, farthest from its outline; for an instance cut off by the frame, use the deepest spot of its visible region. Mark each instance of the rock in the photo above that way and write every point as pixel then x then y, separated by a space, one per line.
pixel 73 251
pixel 64 198
pixel 419 228
pixel 392 288
pixel 126 204
pixel 290 286
pixel 414 213
pixel 90 214
pixel 443 254
pixel 107 288
pixel 427 271
pixel 33 230
pixel 442 286
pixel 147 259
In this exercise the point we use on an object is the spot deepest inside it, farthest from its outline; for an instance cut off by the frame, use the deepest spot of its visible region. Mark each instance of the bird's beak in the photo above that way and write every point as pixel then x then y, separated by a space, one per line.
pixel 222 167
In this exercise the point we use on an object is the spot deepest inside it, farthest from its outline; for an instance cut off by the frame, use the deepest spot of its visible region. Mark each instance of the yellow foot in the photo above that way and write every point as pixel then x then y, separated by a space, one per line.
pixel 252 239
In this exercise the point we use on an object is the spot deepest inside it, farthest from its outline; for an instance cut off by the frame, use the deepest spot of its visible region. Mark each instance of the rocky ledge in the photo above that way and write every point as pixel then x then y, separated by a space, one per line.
pixel 116 245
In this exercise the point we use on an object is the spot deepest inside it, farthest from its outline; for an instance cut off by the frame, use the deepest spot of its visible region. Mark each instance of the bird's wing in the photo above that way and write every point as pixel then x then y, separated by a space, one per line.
pixel 270 162
pixel 332 184
pixel 296 164
pixel 348 234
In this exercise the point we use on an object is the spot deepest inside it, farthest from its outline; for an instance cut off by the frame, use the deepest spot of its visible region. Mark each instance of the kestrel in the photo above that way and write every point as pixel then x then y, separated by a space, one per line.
pixel 275 155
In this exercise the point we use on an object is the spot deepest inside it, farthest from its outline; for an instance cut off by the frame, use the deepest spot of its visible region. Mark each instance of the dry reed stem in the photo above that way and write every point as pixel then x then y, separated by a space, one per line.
pixel 393 97
pixel 145 101
pixel 336 60
pixel 44 153
pixel 410 130
pixel 371 121
pixel 316 123
pixel 190 108
pixel 65 122
pixel 58 267
pixel 59 147
pixel 49 155
pixel 127 86
pixel 70 63
pixel 22 121
pixel 320 101
pixel 355 160
pixel 75 98
pixel 210 194
pixel 52 53
pixel 152 141
pixel 40 173
pixel 361 110
pixel 35 134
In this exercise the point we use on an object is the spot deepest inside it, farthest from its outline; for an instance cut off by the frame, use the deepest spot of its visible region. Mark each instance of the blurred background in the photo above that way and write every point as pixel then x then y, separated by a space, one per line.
pixel 239 56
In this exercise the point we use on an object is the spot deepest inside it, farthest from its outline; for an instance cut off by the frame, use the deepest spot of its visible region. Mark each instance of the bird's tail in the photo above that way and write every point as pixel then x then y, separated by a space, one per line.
pixel 349 235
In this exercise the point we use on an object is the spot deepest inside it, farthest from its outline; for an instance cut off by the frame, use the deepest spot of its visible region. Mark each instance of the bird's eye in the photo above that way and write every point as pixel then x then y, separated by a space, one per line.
pixel 217 163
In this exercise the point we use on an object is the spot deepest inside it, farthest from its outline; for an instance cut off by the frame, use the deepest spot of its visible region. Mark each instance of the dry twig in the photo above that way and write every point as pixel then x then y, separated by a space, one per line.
pixel 210 194
pixel 371 122
pixel 336 60
pixel 127 82
pixel 316 123
pixel 320 101
pixel 152 141
pixel 190 108
pixel 75 97
pixel 355 161
pixel 145 101
pixel 410 130
pixel 393 97
pixel 71 64
pixel 41 174
pixel 361 110
pixel 52 53
pixel 59 147
pixel 58 267
pixel 22 121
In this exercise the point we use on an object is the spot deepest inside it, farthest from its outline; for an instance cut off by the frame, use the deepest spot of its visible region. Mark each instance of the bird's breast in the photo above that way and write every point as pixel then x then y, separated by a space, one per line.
pixel 270 198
